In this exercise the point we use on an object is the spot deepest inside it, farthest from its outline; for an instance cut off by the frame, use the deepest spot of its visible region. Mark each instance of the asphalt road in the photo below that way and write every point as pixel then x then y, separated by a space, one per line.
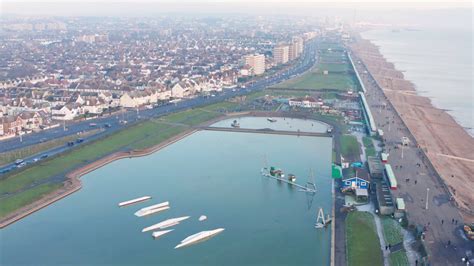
pixel 132 116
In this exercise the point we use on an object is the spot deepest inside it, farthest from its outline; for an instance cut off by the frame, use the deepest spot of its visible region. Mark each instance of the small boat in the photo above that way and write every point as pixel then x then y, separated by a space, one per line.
pixel 146 210
pixel 133 201
pixel 291 177
pixel 158 234
pixel 151 211
pixel 202 218
pixel 271 119
pixel 235 124
pixel 165 224
pixel 199 237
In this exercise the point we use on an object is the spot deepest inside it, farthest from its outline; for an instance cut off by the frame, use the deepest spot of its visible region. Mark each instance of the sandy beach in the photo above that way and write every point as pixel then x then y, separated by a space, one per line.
pixel 447 145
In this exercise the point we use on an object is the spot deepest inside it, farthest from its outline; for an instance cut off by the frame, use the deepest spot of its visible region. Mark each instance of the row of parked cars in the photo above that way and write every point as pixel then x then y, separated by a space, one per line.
pixel 19 163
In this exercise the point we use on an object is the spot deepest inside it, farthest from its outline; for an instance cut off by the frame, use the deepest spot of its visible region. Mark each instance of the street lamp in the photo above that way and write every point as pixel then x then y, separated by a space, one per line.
pixel 427 195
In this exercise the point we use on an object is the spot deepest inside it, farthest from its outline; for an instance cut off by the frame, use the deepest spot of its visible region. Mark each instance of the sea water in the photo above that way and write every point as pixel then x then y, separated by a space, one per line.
pixel 439 61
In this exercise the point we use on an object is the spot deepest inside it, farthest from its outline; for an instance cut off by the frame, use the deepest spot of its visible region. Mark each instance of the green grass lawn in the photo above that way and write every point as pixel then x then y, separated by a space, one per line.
pixel 190 117
pixel 143 135
pixel 12 203
pixel 220 107
pixel 350 147
pixel 398 258
pixel 333 67
pixel 392 231
pixel 363 246
pixel 317 81
pixel 369 146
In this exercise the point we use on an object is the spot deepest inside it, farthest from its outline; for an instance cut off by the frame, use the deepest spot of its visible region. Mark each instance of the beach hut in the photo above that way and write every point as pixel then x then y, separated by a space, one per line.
pixel 392 180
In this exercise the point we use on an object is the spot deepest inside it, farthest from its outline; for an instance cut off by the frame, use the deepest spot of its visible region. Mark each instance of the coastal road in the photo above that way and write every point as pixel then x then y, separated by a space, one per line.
pixel 417 181
pixel 113 123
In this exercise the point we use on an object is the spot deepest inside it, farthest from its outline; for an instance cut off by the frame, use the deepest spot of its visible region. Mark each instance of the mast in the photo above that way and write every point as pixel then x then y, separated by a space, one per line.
pixel 321 217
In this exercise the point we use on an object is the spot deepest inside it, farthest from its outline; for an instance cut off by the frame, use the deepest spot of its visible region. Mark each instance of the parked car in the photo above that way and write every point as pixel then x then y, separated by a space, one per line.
pixel 79 140
pixel 4 171
pixel 21 165
pixel 44 156
pixel 19 161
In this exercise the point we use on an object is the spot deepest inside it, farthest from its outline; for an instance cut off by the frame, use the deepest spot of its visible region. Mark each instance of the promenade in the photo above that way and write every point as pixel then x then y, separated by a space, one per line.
pixel 417 178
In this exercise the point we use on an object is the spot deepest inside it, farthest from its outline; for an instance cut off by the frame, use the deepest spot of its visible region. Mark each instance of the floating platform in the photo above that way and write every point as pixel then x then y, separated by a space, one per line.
pixel 134 201
pixel 153 209
pixel 309 188
pixel 165 224
pixel 158 234
pixel 199 237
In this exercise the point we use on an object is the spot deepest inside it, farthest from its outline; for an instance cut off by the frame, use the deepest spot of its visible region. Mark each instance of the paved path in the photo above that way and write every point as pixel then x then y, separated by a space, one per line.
pixel 410 164
pixel 359 138
pixel 379 227
pixel 267 131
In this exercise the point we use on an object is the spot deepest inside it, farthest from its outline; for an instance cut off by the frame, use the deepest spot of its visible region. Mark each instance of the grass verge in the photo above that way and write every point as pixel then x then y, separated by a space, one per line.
pixel 363 246
pixel 398 258
pixel 392 231
pixel 369 146
pixel 14 202
pixel 350 147
pixel 318 81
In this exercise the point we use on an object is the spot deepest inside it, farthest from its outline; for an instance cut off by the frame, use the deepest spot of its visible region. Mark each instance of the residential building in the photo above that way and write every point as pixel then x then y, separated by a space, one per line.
pixel 281 54
pixel 256 63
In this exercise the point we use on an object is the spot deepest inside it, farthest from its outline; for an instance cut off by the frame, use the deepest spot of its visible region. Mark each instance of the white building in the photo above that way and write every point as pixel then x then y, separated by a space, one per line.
pixel 256 63
pixel 281 54
pixel 306 102
pixel 66 112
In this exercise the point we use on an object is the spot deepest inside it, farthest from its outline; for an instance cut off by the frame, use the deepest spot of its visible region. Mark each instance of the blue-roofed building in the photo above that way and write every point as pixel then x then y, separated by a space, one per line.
pixel 355 182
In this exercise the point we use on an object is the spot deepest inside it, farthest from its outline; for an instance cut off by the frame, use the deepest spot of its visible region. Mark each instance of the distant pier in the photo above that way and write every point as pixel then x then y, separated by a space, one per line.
pixel 267 131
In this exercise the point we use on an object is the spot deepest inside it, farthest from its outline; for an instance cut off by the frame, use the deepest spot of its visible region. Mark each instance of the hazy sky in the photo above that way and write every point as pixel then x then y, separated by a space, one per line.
pixel 153 7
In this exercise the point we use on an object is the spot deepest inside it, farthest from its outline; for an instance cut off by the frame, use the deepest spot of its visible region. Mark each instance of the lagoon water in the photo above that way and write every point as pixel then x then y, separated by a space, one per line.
pixel 438 61
pixel 216 174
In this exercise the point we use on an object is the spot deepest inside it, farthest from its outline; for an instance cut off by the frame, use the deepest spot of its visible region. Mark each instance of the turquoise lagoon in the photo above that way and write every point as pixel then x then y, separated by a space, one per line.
pixel 216 174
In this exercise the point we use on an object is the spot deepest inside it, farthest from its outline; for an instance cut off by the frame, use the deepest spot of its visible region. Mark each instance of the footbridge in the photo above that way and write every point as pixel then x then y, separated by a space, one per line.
pixel 267 131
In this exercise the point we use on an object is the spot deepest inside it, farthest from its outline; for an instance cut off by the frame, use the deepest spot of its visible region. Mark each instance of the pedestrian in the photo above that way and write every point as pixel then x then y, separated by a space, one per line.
pixel 442 221
pixel 456 222
pixel 452 221
pixel 416 181
pixel 416 262
pixel 449 242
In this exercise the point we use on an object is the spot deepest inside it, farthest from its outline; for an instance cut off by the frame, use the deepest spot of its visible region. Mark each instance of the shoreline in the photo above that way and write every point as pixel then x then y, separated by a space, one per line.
pixel 74 184
pixel 467 128
pixel 446 144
